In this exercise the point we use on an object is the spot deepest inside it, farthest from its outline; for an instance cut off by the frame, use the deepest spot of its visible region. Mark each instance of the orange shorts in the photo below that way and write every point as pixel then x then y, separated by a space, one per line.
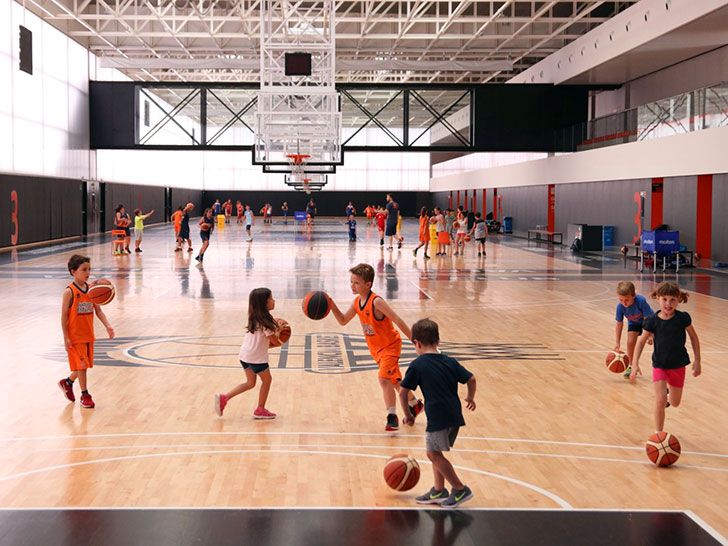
pixel 81 356
pixel 389 367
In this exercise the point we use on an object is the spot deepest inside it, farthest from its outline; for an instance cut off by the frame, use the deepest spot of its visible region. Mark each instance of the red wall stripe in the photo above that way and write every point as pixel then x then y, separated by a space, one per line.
pixel 656 203
pixel 704 220
pixel 552 207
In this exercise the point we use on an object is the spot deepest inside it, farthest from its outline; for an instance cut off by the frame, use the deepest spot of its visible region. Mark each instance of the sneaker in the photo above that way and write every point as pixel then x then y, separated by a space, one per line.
pixel 178 250
pixel 221 401
pixel 189 249
pixel 414 252
pixel 381 242
pixel 427 257
pixel 67 389
pixel 262 413
pixel 87 401
pixel 417 409
pixel 392 422
pixel 390 248
pixel 399 244
pixel 478 254
pixel 628 372
pixel 433 496
pixel 456 498
pixel 198 258
pixel 137 250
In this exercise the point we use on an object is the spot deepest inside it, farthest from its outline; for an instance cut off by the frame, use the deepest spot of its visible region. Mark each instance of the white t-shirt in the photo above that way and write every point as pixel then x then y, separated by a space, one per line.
pixel 254 349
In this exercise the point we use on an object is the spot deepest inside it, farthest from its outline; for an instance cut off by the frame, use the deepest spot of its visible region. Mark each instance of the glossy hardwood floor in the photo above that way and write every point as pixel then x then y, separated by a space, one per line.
pixel 553 428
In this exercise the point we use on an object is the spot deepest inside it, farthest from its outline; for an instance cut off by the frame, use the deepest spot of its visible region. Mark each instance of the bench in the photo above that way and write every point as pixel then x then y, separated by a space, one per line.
pixel 550 235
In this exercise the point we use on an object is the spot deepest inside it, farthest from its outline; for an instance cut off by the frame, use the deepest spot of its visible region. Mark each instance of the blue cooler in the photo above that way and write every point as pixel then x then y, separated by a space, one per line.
pixel 508 224
pixel 607 236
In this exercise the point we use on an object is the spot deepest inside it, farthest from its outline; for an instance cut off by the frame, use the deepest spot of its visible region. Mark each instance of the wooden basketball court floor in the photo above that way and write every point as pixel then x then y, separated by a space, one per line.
pixel 555 439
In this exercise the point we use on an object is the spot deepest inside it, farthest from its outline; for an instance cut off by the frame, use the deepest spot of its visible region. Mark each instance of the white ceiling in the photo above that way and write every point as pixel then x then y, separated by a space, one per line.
pixel 470 31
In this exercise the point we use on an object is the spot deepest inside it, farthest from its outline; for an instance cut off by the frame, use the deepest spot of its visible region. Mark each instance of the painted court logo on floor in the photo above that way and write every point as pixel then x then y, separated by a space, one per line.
pixel 322 352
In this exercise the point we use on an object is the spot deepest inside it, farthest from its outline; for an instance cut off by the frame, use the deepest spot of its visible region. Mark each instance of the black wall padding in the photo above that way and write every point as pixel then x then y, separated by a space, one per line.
pixel 48 208
pixel 328 203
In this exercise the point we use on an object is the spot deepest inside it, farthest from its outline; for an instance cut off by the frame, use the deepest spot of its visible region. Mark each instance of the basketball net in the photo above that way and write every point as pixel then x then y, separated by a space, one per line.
pixel 298 170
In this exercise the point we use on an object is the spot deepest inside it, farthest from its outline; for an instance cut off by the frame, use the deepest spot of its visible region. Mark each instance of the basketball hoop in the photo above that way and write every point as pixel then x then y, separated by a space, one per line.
pixel 307 186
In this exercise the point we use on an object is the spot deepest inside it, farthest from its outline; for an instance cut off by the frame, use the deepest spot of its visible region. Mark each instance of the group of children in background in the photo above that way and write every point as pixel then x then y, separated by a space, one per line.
pixel 441 230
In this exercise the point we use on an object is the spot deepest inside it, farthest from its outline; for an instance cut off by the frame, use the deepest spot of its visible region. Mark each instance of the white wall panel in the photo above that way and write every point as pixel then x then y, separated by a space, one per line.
pixel 44 126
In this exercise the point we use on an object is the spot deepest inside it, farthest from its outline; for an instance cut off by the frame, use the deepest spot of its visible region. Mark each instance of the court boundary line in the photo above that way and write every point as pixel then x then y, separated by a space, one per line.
pixel 324 433
pixel 360 446
pixel 706 527
pixel 544 492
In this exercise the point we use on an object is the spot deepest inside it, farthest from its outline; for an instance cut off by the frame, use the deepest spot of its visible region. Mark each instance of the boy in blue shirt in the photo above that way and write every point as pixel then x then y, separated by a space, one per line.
pixel 352 228
pixel 636 309
pixel 438 376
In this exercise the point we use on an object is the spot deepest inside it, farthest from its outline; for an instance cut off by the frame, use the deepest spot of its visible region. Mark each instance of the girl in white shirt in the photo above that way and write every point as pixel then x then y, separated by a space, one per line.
pixel 261 331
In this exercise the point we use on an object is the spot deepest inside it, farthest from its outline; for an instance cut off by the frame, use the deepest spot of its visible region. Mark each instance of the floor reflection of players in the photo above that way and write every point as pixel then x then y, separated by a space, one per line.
pixel 390 276
pixel 205 292
pixel 249 260
pixel 459 520
pixel 182 270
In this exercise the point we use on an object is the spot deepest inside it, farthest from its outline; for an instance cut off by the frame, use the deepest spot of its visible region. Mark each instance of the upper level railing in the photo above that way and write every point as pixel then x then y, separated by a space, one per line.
pixel 704 108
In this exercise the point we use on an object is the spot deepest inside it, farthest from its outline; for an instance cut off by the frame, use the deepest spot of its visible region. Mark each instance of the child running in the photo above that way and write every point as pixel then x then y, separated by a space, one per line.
pixel 207 226
pixel 77 324
pixel 424 233
pixel 668 328
pixel 253 355
pixel 384 342
pixel 636 309
pixel 438 376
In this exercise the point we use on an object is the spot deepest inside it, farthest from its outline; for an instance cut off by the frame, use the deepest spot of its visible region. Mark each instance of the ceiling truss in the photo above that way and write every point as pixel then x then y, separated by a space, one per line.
pixel 522 32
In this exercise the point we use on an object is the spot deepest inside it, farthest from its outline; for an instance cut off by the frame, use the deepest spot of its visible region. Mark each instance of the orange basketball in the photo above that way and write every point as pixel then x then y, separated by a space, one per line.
pixel 401 472
pixel 315 305
pixel 204 226
pixel 467 238
pixel 284 333
pixel 617 362
pixel 456 225
pixel 101 291
pixel 124 222
pixel 663 448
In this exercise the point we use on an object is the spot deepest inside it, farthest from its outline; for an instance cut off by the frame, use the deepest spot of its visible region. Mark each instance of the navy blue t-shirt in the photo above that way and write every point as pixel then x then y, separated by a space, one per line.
pixel 438 375
pixel 393 209
pixel 670 352
pixel 352 226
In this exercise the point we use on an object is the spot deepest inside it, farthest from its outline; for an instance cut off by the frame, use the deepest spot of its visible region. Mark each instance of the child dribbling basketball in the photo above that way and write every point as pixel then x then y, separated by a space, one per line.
pixel 77 324
pixel 383 340
pixel 438 376
pixel 636 309
pixel 668 328
pixel 253 355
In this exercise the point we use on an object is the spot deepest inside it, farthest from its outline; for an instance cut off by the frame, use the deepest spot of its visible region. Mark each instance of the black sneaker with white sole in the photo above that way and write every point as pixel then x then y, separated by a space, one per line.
pixel 457 497
pixel 433 496
pixel 392 422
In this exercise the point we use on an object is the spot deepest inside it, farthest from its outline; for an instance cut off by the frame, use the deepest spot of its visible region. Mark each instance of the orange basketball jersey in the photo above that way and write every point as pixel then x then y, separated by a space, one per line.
pixel 381 335
pixel 80 316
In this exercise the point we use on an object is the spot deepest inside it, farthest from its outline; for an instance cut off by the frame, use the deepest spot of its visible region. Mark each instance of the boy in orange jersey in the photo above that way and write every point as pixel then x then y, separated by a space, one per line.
pixel 77 323
pixel 177 219
pixel 383 340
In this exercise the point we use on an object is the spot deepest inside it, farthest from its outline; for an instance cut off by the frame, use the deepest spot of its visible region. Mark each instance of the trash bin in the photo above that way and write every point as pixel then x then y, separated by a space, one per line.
pixel 508 224
pixel 220 221
pixel 607 236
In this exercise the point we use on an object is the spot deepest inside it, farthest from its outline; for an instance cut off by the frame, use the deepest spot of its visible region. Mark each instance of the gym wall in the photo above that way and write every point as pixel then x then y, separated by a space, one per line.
pixel 328 203
pixel 47 208
pixel 720 206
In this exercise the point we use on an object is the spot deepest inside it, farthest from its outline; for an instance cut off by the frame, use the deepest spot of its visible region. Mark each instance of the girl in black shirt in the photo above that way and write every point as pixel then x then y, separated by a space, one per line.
pixel 668 327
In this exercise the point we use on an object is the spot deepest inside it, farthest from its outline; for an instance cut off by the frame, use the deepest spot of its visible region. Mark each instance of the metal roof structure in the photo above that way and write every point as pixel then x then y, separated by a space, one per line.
pixel 377 41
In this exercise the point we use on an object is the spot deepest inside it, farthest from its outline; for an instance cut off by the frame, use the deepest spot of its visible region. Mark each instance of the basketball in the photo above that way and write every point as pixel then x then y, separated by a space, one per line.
pixel 401 472
pixel 284 333
pixel 124 222
pixel 456 225
pixel 204 226
pixel 101 291
pixel 617 362
pixel 190 206
pixel 663 448
pixel 467 238
pixel 315 305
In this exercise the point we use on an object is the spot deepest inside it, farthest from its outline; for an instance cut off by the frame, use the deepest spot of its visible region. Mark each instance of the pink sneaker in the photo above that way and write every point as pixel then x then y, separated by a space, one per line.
pixel 221 401
pixel 67 389
pixel 262 413
pixel 87 401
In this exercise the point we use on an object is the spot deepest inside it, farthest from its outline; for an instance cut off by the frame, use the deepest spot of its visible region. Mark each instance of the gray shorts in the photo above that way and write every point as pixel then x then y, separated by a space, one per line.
pixel 138 235
pixel 441 440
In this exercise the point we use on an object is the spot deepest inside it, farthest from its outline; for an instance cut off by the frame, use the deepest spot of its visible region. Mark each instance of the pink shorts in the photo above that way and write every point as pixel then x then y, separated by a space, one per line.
pixel 674 378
